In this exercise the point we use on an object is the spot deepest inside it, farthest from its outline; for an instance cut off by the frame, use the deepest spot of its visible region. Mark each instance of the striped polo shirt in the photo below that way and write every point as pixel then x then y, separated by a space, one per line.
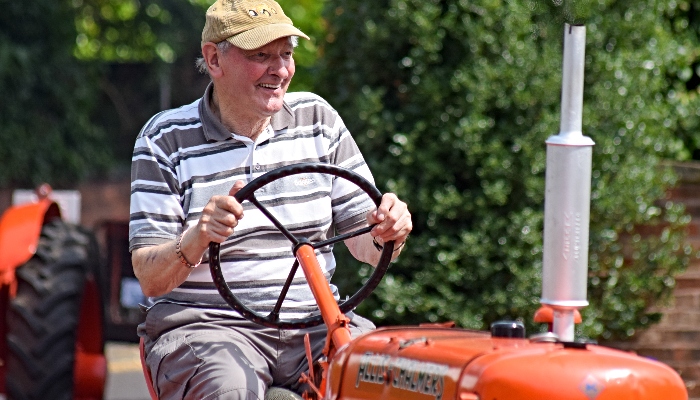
pixel 183 157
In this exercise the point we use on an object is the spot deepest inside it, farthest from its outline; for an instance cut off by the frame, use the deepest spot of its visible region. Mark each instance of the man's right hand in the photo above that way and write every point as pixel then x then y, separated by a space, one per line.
pixel 219 218
pixel 159 268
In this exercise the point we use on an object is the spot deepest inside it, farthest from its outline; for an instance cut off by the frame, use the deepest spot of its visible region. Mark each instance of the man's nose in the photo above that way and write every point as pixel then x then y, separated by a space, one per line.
pixel 279 66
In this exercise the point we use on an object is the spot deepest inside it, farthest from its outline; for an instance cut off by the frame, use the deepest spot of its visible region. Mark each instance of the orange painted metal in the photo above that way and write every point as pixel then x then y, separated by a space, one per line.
pixel 545 315
pixel 336 322
pixel 146 371
pixel 433 363
pixel 404 363
pixel 324 297
pixel 20 227
pixel 90 370
pixel 89 375
pixel 551 371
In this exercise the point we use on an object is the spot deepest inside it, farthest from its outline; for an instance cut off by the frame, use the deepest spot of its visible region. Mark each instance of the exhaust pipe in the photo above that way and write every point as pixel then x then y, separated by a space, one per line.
pixel 567 197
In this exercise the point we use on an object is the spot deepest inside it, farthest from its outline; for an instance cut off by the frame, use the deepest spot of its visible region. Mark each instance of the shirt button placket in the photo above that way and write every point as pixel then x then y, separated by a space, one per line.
pixel 251 150
pixel 256 164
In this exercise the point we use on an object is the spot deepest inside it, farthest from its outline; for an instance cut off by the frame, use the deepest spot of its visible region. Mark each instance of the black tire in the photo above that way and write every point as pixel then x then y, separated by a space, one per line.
pixel 44 316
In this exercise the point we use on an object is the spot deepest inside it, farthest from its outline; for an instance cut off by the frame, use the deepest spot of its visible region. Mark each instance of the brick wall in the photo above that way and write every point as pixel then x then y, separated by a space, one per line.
pixel 104 200
pixel 676 339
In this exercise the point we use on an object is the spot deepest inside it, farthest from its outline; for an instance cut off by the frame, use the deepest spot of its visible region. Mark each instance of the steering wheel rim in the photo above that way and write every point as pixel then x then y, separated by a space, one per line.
pixel 247 193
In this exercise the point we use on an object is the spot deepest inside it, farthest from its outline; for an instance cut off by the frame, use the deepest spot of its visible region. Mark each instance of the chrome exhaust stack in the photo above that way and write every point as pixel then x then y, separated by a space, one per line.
pixel 567 197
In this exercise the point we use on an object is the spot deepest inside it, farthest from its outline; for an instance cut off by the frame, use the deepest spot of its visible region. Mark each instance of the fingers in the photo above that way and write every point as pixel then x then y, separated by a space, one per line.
pixel 392 218
pixel 236 187
pixel 227 209
pixel 220 216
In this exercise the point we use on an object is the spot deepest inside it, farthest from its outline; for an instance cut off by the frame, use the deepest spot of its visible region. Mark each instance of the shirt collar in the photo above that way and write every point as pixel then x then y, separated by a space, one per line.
pixel 214 130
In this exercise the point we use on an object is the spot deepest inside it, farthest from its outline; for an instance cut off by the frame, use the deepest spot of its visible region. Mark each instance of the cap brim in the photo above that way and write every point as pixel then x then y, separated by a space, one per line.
pixel 262 35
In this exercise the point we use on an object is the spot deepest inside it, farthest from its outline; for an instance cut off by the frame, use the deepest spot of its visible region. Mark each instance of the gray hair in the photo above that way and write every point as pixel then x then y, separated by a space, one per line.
pixel 201 65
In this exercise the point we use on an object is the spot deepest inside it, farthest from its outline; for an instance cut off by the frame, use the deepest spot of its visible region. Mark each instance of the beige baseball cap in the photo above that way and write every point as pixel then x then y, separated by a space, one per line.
pixel 247 24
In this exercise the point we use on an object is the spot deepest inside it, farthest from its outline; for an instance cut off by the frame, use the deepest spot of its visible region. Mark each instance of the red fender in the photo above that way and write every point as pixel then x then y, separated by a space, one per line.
pixel 20 228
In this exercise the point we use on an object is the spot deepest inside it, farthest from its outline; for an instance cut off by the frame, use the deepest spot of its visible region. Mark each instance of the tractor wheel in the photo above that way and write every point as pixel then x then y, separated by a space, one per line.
pixel 44 316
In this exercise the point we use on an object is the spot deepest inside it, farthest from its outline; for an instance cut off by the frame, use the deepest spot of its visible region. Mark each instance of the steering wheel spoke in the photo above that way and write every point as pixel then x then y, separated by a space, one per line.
pixel 340 238
pixel 272 319
pixel 274 220
pixel 285 289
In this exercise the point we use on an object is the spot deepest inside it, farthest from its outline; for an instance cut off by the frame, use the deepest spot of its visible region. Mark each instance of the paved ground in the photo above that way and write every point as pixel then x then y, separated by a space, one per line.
pixel 124 375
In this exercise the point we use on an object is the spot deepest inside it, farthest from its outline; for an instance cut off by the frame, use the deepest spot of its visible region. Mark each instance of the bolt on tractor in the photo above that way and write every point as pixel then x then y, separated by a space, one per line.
pixel 440 361
pixel 64 290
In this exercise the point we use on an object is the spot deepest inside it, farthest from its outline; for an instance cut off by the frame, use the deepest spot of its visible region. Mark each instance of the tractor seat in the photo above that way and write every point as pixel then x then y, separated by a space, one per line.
pixel 276 393
pixel 146 371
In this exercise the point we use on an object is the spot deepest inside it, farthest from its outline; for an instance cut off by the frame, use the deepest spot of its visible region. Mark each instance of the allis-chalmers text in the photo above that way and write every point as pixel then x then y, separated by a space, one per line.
pixel 403 373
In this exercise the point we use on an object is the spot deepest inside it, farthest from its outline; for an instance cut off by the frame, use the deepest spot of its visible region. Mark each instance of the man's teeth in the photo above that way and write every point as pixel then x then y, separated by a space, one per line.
pixel 268 86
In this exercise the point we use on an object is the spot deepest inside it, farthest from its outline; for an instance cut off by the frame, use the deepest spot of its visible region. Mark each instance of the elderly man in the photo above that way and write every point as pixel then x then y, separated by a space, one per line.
pixel 187 165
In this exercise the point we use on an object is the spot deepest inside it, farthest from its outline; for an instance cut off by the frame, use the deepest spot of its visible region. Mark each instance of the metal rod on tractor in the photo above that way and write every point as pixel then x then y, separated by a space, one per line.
pixel 567 197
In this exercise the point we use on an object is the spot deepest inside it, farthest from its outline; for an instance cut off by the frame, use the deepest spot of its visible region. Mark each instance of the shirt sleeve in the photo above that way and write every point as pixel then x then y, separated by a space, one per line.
pixel 350 203
pixel 156 212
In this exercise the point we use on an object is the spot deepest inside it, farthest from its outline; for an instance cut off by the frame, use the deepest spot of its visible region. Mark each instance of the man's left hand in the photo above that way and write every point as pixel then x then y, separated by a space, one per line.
pixel 393 221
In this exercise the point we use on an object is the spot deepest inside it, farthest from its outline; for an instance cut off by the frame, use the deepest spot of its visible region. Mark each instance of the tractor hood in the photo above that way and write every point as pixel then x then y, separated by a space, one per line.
pixel 439 364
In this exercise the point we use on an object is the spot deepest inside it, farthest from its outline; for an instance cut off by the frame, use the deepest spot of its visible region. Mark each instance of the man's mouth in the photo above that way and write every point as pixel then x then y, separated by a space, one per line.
pixel 269 86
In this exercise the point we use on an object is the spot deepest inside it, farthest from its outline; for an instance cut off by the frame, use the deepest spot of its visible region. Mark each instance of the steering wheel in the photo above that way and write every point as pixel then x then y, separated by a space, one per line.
pixel 272 319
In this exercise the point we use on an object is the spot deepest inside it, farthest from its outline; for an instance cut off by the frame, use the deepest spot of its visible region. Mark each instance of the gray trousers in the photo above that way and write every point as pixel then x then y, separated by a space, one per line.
pixel 196 353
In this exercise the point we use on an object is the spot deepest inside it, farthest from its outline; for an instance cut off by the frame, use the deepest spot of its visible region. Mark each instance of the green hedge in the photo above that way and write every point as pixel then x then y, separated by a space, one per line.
pixel 48 97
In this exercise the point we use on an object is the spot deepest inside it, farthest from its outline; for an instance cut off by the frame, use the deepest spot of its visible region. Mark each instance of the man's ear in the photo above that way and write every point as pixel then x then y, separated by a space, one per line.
pixel 210 53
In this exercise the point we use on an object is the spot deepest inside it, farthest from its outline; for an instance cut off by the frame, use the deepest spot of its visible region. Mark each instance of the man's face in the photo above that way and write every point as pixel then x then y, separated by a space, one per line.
pixel 258 79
